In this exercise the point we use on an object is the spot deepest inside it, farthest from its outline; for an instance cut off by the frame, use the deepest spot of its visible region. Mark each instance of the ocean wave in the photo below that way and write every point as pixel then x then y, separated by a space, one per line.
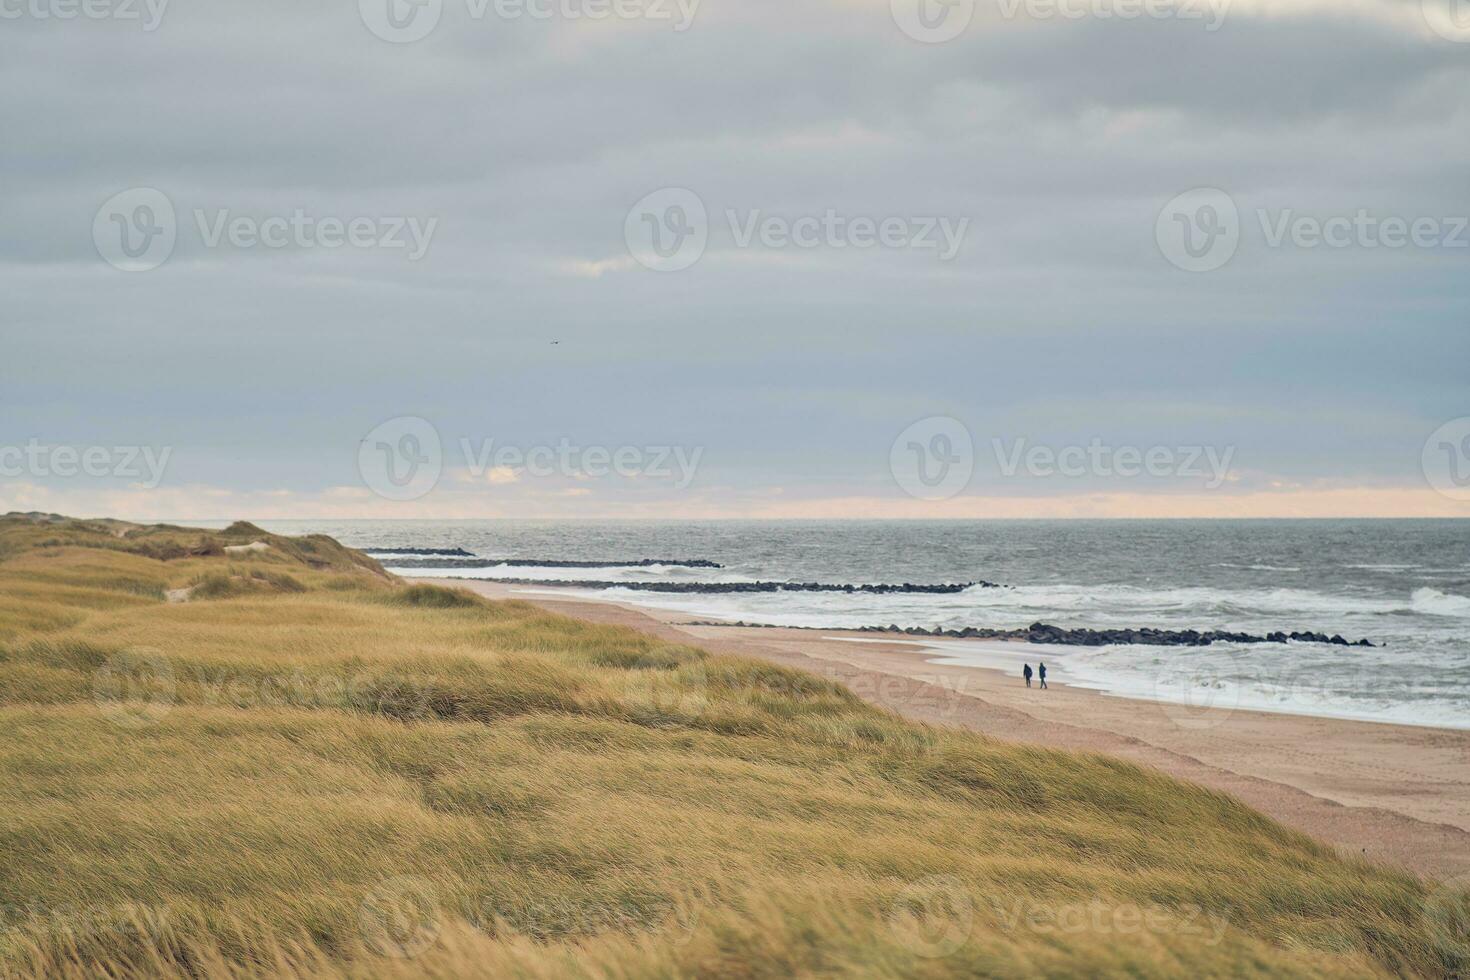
pixel 495 573
pixel 1196 600
pixel 1314 680
pixel 715 588
pixel 1099 606
pixel 1432 602
pixel 472 561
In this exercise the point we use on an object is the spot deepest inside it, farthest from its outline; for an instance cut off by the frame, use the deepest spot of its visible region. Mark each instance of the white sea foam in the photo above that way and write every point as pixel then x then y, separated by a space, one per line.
pixel 1313 680
pixel 541 573
pixel 1063 605
pixel 1433 602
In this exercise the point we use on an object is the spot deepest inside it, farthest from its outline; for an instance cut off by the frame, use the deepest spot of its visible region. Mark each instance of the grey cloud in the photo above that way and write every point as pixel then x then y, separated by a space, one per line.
pixel 530 142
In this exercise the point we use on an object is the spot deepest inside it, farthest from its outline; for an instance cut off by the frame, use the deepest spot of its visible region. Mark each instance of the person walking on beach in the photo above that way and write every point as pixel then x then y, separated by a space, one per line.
pixel 1041 673
pixel 1027 674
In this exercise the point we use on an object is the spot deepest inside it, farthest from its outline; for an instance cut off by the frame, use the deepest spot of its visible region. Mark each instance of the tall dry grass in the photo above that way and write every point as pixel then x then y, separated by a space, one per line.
pixel 309 769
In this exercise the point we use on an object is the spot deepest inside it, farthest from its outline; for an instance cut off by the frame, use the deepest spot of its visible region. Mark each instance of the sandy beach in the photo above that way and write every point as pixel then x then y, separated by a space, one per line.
pixel 1392 793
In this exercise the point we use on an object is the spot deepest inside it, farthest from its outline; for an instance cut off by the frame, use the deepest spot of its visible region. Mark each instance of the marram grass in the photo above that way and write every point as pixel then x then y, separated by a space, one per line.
pixel 288 763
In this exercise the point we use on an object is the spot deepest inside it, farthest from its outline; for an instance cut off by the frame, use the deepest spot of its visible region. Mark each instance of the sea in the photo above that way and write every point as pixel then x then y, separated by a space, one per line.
pixel 1404 585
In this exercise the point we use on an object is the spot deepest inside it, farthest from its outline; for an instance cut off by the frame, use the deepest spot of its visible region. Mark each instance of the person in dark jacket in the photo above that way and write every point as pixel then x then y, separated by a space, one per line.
pixel 1027 674
pixel 1041 673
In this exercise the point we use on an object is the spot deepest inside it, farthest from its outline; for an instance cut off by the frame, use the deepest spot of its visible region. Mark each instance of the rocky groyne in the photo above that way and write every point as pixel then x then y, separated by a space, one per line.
pixel 713 588
pixel 538 562
pixel 1060 636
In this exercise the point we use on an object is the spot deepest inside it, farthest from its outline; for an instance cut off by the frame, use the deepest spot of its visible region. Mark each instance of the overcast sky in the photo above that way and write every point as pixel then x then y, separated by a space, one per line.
pixel 994 255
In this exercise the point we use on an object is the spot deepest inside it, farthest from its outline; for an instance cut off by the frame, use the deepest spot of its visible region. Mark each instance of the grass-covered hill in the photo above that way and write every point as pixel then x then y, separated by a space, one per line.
pixel 223 759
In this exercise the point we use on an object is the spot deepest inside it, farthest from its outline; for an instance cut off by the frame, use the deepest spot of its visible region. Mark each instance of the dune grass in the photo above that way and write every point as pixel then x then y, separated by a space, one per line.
pixel 311 769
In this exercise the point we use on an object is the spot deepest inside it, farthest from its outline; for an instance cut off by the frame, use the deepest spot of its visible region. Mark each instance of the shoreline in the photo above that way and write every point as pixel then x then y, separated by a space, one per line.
pixel 1380 790
pixel 1007 656
pixel 1064 651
